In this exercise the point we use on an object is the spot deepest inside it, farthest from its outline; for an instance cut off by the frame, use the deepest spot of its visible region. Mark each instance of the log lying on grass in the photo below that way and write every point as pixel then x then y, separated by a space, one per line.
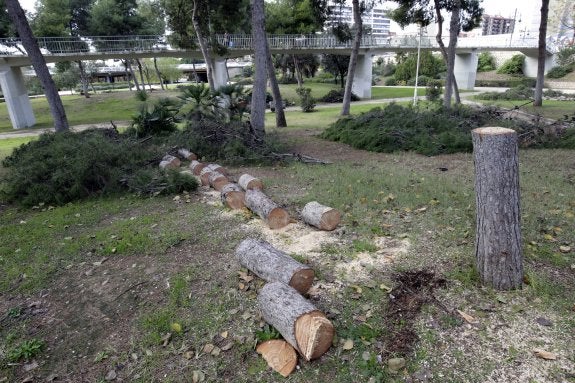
pixel 275 216
pixel 187 155
pixel 217 180
pixel 279 355
pixel 205 176
pixel 197 167
pixel 170 162
pixel 300 323
pixel 219 169
pixel 247 182
pixel 233 196
pixel 272 264
pixel 320 216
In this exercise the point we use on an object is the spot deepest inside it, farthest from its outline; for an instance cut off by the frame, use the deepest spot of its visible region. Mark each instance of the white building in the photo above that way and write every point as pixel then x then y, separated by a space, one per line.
pixel 373 19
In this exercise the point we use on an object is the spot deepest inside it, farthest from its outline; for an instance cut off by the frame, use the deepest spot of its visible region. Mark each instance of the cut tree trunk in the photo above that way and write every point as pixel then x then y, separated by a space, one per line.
pixel 320 216
pixel 170 162
pixel 498 238
pixel 197 167
pixel 233 196
pixel 217 180
pixel 219 169
pixel 246 181
pixel 205 176
pixel 275 216
pixel 300 323
pixel 279 355
pixel 187 155
pixel 272 264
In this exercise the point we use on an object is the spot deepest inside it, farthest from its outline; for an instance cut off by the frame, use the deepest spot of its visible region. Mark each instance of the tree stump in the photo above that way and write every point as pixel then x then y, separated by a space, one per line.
pixel 320 216
pixel 275 216
pixel 498 238
pixel 187 155
pixel 246 181
pixel 217 180
pixel 272 264
pixel 300 323
pixel 170 162
pixel 233 196
pixel 197 167
pixel 279 355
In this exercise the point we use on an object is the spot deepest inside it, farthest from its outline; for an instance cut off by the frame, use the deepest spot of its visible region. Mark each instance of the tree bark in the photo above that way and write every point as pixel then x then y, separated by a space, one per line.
pixel 170 162
pixel 443 50
pixel 541 54
pixel 300 323
pixel 18 17
pixel 279 355
pixel 203 46
pixel 498 238
pixel 158 73
pixel 233 196
pixel 279 104
pixel 217 180
pixel 187 155
pixel 197 167
pixel 219 169
pixel 274 216
pixel 246 181
pixel 353 58
pixel 258 103
pixel 205 176
pixel 141 72
pixel 84 79
pixel 320 216
pixel 454 27
pixel 132 74
pixel 271 264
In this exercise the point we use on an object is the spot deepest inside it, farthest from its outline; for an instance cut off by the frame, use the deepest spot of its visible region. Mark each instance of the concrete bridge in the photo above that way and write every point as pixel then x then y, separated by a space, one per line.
pixel 57 49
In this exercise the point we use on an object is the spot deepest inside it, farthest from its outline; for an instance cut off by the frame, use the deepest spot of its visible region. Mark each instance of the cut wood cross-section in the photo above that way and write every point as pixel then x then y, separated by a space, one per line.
pixel 275 216
pixel 320 216
pixel 279 355
pixel 187 155
pixel 170 162
pixel 217 180
pixel 233 196
pixel 197 167
pixel 302 325
pixel 272 264
pixel 246 181
pixel 205 175
pixel 219 169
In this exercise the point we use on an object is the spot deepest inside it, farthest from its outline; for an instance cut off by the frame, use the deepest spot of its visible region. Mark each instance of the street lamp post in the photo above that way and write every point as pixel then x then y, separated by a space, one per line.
pixel 417 66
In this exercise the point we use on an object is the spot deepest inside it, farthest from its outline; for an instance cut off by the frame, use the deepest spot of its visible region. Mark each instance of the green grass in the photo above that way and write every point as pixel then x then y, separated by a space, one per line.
pixel 383 92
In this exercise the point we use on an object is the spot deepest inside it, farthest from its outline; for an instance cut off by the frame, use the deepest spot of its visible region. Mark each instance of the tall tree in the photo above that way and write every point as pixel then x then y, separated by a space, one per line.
pixel 18 17
pixel 258 104
pixel 337 66
pixel 353 58
pixel 423 13
pixel 279 104
pixel 541 54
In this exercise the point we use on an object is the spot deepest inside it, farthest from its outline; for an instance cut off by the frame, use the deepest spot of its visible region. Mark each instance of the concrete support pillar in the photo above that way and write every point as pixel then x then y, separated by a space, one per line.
pixel 465 70
pixel 530 65
pixel 220 74
pixel 362 77
pixel 16 97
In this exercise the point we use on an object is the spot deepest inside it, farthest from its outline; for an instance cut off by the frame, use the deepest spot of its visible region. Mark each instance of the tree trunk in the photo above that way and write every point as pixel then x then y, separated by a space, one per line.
pixel 233 196
pixel 443 50
pixel 187 155
pixel 158 73
pixel 132 74
pixel 203 46
pixel 297 72
pixel 258 104
pixel 498 237
pixel 217 180
pixel 205 176
pixel 141 72
pixel 279 104
pixel 320 216
pixel 541 54
pixel 300 323
pixel 271 264
pixel 18 17
pixel 454 27
pixel 170 162
pixel 246 181
pixel 197 167
pixel 353 58
pixel 127 74
pixel 279 355
pixel 219 169
pixel 275 216
pixel 83 79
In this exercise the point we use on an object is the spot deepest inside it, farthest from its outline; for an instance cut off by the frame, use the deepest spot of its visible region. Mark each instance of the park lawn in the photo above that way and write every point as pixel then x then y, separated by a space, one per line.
pixel 553 109
pixel 383 92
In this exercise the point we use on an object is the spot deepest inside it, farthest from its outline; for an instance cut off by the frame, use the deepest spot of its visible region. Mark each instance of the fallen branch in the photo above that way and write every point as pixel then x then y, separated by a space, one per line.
pixel 301 158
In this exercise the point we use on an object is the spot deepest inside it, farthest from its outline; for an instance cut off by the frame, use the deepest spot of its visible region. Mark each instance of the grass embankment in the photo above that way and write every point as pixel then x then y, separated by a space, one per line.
pixel 110 279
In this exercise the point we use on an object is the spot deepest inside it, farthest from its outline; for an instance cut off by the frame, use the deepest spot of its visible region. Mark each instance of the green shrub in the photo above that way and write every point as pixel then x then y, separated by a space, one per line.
pixel 559 71
pixel 520 92
pixel 508 83
pixel 513 66
pixel 155 118
pixel 63 167
pixel 566 56
pixel 486 62
pixel 391 81
pixel 434 89
pixel 334 96
pixel 422 80
pixel 306 100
